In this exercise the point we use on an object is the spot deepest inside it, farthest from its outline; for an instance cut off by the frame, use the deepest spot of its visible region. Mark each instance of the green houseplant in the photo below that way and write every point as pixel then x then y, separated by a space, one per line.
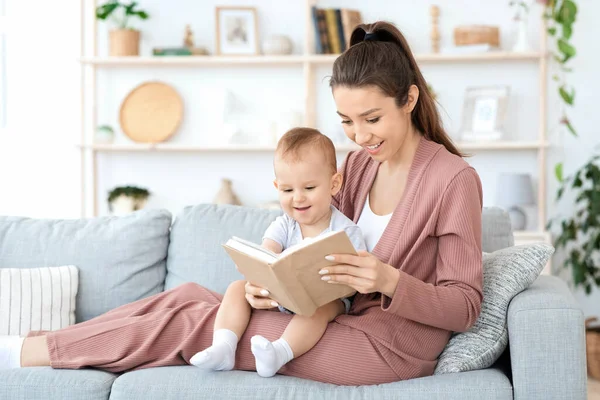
pixel 580 232
pixel 124 40
pixel 560 16
pixel 126 199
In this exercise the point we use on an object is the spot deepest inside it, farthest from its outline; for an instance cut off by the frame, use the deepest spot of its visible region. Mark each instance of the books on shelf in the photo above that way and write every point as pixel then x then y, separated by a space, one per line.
pixel 292 277
pixel 333 27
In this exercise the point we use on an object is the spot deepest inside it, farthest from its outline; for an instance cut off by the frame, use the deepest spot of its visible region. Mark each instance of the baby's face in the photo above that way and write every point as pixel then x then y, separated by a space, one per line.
pixel 305 187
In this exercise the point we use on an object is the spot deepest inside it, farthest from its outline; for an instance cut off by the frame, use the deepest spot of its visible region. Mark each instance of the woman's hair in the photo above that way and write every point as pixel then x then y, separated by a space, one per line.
pixel 294 142
pixel 379 55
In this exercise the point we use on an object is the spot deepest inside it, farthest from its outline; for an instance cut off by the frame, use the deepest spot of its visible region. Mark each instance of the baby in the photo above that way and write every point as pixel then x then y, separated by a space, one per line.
pixel 306 178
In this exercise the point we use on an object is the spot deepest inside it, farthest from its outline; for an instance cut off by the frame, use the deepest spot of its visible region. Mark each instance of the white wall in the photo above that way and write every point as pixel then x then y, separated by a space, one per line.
pixel 40 167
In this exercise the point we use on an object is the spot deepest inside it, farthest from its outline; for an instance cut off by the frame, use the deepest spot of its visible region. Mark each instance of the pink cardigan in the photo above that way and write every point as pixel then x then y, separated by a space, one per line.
pixel 434 239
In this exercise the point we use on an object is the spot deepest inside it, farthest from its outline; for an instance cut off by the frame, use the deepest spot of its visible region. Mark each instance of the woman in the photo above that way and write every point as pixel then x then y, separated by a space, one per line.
pixel 419 205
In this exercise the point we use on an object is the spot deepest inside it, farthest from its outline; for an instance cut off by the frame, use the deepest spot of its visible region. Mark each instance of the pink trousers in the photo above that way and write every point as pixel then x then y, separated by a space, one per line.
pixel 170 327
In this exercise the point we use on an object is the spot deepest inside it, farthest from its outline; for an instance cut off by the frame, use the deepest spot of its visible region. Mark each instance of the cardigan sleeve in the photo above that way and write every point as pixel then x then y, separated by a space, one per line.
pixel 454 301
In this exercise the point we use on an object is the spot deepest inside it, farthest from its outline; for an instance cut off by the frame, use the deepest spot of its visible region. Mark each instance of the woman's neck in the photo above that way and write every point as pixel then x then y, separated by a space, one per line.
pixel 403 159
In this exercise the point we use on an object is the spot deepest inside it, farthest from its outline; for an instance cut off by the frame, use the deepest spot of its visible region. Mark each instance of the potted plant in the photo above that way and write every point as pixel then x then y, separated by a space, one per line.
pixel 105 134
pixel 126 199
pixel 124 40
pixel 579 234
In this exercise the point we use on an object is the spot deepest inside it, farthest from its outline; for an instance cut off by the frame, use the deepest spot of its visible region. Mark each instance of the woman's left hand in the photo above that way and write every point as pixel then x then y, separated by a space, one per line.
pixel 364 272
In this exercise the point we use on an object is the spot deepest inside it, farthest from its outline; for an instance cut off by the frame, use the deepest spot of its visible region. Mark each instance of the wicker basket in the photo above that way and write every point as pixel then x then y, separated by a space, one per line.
pixel 477 34
pixel 592 344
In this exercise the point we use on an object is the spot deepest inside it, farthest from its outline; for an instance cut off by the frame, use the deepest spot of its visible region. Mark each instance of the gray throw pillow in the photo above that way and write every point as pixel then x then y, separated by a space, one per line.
pixel 506 273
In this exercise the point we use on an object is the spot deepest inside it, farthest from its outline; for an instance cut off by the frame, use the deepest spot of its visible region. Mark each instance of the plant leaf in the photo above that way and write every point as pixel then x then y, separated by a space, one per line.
pixel 558 171
pixel 570 128
pixel 567 31
pixel 559 193
pixel 566 96
pixel 105 10
pixel 552 31
pixel 566 48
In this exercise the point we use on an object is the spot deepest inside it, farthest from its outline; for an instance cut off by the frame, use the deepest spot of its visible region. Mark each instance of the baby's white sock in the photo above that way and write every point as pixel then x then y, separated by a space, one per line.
pixel 221 355
pixel 270 357
pixel 10 351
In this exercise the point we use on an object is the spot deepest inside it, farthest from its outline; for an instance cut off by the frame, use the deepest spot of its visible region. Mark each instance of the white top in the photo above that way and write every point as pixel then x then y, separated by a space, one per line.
pixel 286 231
pixel 372 225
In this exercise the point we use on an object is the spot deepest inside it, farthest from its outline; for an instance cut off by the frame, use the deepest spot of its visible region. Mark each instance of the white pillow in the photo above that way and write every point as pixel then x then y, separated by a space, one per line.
pixel 37 299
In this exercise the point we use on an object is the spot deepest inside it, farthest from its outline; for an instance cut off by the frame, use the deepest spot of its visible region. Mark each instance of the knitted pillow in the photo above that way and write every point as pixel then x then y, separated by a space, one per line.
pixel 506 273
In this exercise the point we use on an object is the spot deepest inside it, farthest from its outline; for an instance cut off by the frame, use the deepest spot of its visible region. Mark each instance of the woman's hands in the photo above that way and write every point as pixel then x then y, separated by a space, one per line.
pixel 365 273
pixel 258 297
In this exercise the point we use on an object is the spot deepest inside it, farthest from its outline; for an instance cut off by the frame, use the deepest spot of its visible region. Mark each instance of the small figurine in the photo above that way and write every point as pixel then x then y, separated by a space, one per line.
pixel 188 39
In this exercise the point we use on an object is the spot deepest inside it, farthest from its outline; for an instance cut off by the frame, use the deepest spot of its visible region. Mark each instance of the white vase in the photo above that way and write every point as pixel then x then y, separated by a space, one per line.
pixel 124 205
pixel 521 42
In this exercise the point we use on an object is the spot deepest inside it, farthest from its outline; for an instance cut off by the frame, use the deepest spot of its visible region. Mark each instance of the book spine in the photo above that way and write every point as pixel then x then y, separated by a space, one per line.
pixel 350 18
pixel 340 29
pixel 332 31
pixel 323 33
pixel 315 18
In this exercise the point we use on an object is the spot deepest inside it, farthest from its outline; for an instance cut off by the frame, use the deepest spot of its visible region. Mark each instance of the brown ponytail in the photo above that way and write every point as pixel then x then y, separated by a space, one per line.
pixel 385 60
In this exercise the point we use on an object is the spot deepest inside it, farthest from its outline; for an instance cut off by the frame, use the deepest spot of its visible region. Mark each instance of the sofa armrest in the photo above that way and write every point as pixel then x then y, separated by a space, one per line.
pixel 547 342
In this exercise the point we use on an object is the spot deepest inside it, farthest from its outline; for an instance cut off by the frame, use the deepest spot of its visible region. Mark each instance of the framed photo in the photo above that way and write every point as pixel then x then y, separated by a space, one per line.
pixel 484 113
pixel 237 31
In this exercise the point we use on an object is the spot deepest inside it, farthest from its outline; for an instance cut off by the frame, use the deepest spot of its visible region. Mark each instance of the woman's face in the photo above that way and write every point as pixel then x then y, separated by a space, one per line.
pixel 374 121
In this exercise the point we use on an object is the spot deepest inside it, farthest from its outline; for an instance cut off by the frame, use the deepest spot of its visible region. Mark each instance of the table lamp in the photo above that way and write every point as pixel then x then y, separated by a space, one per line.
pixel 513 191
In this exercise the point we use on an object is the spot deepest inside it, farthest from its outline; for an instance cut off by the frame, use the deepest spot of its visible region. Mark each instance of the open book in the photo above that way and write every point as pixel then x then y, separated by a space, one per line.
pixel 292 277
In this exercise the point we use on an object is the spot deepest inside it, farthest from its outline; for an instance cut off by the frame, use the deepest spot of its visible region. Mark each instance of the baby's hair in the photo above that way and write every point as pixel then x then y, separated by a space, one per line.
pixel 296 140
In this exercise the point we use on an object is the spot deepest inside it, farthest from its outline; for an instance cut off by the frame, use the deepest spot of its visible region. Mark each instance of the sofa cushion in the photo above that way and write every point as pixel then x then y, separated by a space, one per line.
pixel 195 250
pixel 45 383
pixel 120 259
pixel 506 273
pixel 42 299
pixel 181 383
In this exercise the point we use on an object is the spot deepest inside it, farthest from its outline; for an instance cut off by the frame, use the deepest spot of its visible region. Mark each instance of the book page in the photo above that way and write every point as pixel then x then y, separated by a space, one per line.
pixel 252 249
pixel 306 242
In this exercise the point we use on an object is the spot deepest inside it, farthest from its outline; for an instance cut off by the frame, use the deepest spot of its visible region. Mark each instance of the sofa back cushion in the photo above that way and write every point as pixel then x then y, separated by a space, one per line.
pixel 195 250
pixel 120 259
pixel 196 254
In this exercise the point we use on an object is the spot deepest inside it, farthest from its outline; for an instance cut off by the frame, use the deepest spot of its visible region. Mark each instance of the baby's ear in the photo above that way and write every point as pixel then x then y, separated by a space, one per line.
pixel 275 184
pixel 336 183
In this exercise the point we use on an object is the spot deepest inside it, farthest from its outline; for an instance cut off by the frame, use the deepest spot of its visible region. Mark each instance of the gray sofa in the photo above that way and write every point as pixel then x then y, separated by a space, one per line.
pixel 126 258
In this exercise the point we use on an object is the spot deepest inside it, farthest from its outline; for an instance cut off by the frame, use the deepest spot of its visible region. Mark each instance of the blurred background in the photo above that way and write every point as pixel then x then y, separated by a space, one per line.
pixel 108 107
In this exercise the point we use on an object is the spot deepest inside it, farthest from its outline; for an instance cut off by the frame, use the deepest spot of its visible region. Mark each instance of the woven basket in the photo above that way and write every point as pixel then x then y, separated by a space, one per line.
pixel 592 344
pixel 477 34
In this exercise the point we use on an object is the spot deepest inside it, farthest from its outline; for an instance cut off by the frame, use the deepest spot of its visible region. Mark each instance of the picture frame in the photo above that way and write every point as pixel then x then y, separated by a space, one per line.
pixel 484 113
pixel 236 31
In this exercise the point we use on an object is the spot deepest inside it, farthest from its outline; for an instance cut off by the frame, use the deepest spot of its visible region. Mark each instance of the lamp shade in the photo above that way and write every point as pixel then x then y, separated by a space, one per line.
pixel 514 190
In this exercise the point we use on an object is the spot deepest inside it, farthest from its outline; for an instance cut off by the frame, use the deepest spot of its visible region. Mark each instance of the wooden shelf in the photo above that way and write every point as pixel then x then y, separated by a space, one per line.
pixel 319 59
pixel 502 145
pixel 172 147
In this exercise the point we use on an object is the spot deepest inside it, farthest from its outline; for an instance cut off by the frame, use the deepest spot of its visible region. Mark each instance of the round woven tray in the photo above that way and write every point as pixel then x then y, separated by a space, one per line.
pixel 151 113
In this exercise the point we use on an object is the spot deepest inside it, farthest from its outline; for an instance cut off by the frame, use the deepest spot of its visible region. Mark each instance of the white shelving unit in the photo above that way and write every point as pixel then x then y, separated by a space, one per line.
pixel 309 63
